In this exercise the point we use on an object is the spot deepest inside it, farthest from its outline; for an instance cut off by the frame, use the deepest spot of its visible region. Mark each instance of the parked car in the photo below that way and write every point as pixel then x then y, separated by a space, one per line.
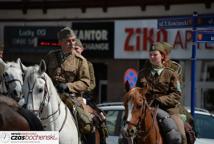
pixel 204 123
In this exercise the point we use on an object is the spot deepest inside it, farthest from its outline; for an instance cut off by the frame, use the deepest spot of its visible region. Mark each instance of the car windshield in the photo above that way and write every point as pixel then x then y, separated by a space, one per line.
pixel 114 117
pixel 204 126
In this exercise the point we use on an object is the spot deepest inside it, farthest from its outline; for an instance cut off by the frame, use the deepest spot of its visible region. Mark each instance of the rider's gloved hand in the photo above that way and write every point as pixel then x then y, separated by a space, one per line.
pixel 62 88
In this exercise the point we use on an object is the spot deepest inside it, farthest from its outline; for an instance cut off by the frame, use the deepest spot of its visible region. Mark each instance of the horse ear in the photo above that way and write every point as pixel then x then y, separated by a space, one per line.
pixel 42 66
pixel 22 66
pixel 2 66
pixel 127 86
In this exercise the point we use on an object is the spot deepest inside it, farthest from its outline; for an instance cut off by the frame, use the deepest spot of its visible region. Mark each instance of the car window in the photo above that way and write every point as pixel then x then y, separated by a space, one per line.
pixel 113 121
pixel 204 126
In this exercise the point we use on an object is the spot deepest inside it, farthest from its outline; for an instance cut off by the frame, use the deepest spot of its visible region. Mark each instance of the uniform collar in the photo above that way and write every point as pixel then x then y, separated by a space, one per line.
pixel 156 70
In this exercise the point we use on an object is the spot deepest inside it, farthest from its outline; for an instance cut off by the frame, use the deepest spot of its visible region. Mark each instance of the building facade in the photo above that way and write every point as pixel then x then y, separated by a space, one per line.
pixel 115 40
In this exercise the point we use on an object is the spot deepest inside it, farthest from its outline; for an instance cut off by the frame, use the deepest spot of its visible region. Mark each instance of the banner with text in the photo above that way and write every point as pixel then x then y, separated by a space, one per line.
pixel 97 38
pixel 133 39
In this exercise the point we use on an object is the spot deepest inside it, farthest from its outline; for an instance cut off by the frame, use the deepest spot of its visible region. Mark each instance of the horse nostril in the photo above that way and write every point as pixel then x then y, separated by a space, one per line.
pixel 132 131
pixel 15 93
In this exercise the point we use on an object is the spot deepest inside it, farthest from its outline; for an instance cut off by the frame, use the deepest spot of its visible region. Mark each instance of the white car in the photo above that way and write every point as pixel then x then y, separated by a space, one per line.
pixel 204 123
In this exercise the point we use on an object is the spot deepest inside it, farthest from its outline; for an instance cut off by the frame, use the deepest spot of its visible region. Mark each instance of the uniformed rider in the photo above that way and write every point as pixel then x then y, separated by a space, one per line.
pixel 68 69
pixel 164 85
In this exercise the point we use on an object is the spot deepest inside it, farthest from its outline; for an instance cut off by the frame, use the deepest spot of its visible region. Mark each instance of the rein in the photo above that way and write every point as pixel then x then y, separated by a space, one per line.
pixel 145 106
pixel 142 119
pixel 42 105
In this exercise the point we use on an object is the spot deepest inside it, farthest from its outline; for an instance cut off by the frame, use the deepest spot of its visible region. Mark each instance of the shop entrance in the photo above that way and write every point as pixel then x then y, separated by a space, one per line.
pixel 100 70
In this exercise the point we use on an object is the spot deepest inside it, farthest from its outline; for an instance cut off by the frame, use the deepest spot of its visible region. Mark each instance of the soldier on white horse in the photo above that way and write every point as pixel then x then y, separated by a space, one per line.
pixel 69 70
pixel 41 97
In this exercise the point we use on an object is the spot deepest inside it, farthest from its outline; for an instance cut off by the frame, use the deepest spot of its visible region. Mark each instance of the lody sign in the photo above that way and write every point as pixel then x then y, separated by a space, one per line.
pixel 30 39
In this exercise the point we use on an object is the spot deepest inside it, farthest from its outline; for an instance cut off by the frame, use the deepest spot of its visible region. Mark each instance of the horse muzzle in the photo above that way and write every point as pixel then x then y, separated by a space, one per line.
pixel 131 132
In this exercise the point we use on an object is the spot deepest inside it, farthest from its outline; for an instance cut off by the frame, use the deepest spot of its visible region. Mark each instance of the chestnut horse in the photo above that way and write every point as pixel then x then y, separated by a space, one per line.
pixel 141 124
pixel 14 118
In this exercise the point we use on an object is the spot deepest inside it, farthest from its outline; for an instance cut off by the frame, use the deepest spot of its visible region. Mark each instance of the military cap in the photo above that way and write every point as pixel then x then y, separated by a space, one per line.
pixel 65 33
pixel 79 43
pixel 168 47
pixel 163 47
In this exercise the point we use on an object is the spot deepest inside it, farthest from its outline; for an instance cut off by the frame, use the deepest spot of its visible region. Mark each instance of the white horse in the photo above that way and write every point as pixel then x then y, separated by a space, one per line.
pixel 42 98
pixel 11 79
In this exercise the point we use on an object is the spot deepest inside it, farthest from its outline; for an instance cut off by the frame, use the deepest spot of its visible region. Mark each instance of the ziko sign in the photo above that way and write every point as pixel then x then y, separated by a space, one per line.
pixel 134 38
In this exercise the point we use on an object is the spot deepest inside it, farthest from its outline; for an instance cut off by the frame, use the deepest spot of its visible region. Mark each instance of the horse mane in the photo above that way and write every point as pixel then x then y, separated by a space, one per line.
pixel 134 92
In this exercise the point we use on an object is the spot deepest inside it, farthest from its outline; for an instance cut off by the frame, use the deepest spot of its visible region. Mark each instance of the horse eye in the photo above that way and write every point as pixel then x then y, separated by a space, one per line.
pixel 5 74
pixel 40 90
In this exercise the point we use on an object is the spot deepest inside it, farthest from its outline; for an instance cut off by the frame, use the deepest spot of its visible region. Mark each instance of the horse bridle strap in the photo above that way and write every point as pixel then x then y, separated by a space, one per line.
pixel 143 118
pixel 7 82
pixel 58 110
pixel 41 107
pixel 66 115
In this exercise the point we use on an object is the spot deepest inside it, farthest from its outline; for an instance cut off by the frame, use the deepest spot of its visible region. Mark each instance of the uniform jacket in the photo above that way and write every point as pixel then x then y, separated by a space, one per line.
pixel 92 77
pixel 164 87
pixel 72 70
pixel 176 67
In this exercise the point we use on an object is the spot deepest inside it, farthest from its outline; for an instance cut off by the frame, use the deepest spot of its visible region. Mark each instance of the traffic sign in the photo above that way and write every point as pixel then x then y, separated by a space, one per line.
pixel 130 76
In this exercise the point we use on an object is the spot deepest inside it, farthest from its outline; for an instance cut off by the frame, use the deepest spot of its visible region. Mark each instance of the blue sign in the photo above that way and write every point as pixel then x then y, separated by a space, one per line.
pixel 175 22
pixel 205 36
pixel 185 22
pixel 130 76
pixel 205 21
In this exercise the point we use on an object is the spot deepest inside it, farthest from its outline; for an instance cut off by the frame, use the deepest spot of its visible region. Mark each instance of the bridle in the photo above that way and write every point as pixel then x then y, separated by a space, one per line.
pixel 46 97
pixel 6 81
pixel 143 134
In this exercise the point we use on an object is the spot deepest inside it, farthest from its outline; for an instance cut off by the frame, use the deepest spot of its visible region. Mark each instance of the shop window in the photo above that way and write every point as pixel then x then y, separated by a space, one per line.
pixel 207 71
pixel 209 99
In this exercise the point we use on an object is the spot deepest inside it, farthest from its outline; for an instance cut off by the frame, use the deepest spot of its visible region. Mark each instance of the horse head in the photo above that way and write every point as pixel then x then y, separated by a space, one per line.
pixel 35 87
pixel 42 98
pixel 135 103
pixel 11 79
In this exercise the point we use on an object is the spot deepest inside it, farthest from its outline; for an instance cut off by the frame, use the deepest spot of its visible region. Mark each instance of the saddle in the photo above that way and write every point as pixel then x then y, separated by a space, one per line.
pixel 82 117
pixel 98 117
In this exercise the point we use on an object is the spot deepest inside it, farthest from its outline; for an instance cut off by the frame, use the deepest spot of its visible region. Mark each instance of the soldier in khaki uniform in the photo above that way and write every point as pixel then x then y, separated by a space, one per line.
pixel 79 49
pixel 68 69
pixel 164 85
pixel 70 74
pixel 99 118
